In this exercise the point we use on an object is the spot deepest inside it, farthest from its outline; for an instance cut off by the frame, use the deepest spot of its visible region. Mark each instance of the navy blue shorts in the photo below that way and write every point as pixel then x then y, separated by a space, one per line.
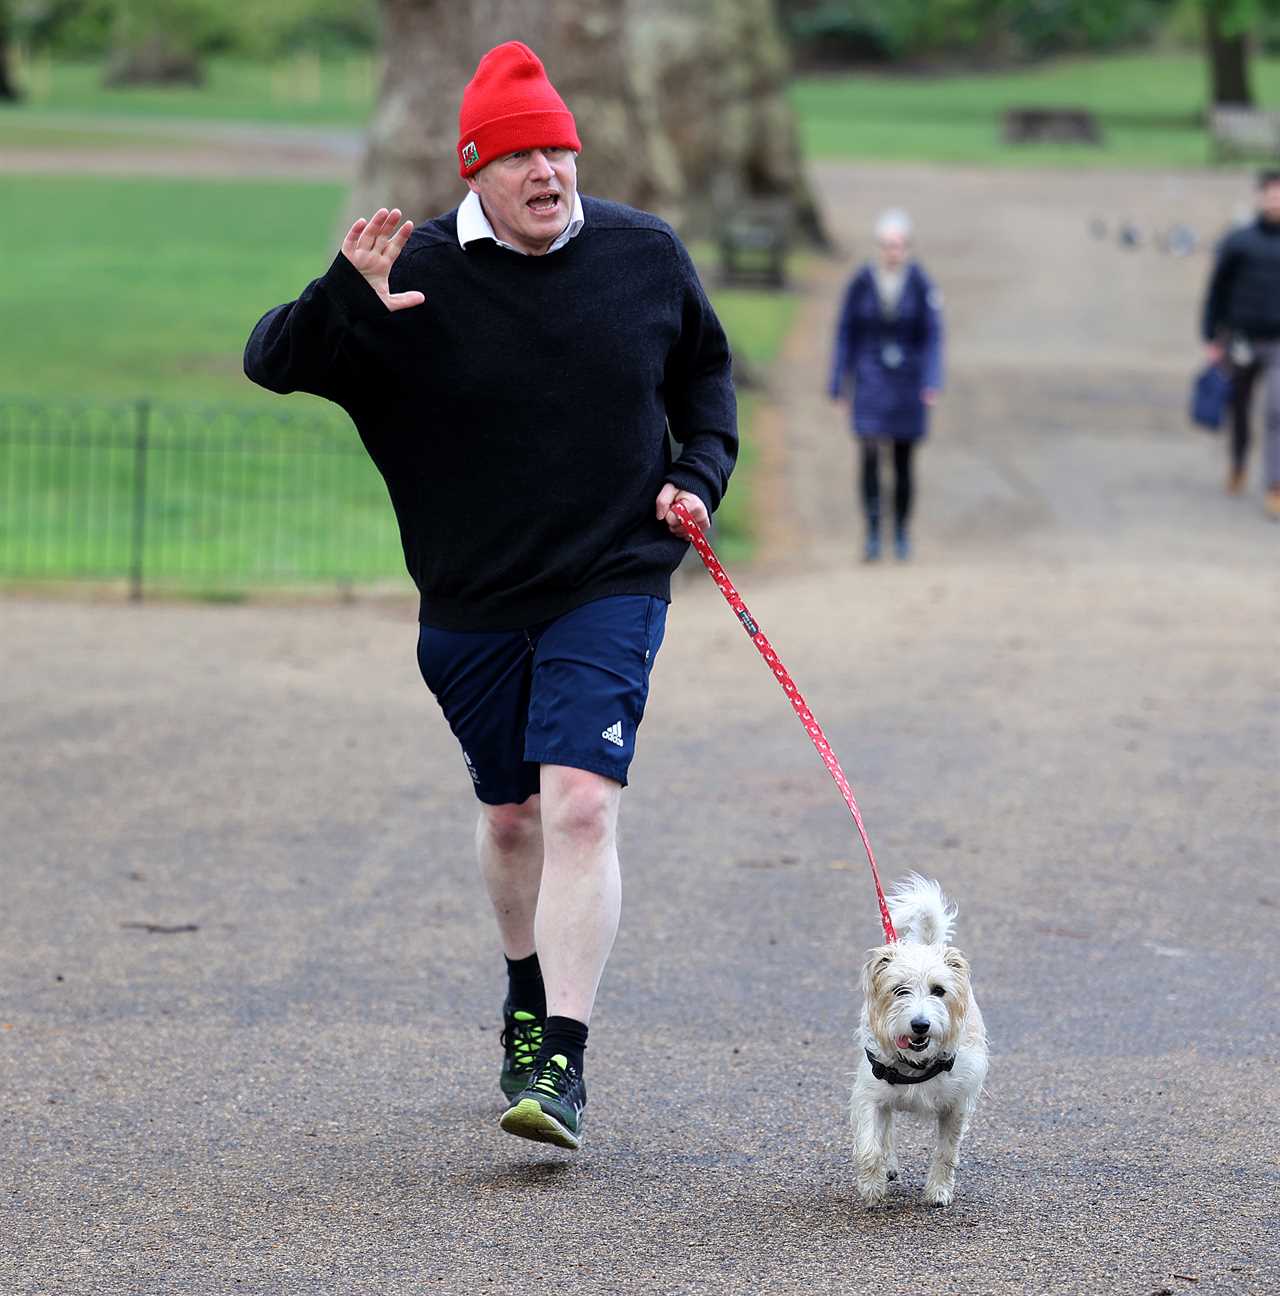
pixel 565 692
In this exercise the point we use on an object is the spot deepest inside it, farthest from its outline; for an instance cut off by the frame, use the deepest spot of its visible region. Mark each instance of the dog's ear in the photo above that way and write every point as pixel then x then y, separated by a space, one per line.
pixel 878 962
pixel 956 961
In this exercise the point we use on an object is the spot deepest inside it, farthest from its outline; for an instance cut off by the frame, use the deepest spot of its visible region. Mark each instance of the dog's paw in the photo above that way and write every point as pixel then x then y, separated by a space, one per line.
pixel 892 1173
pixel 939 1194
pixel 873 1189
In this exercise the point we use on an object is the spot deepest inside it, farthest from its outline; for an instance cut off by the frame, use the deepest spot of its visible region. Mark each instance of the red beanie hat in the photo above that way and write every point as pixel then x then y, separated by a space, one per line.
pixel 510 105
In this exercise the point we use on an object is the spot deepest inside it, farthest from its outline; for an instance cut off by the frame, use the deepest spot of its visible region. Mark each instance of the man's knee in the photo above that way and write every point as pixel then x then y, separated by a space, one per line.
pixel 512 828
pixel 579 807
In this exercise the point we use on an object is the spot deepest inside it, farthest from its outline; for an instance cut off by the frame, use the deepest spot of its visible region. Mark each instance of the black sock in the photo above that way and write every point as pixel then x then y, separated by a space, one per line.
pixel 525 992
pixel 565 1036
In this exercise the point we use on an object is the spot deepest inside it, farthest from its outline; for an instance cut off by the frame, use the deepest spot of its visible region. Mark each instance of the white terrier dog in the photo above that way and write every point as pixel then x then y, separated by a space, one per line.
pixel 923 1044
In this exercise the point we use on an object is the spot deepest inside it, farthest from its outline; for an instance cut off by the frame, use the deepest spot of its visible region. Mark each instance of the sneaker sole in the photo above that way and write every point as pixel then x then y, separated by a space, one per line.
pixel 527 1120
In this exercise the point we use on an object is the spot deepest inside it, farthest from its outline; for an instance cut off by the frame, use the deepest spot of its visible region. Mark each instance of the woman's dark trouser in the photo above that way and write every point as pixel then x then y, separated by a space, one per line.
pixel 869 481
pixel 1242 378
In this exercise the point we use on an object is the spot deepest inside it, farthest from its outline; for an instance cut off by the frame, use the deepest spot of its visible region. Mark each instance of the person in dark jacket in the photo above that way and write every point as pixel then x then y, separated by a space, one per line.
pixel 1241 328
pixel 514 368
pixel 888 359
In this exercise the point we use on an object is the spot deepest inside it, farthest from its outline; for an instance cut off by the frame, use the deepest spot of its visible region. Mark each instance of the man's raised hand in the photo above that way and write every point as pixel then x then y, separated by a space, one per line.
pixel 372 247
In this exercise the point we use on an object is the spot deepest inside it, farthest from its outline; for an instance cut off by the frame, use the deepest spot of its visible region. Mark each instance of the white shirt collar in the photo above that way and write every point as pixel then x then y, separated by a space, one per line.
pixel 474 224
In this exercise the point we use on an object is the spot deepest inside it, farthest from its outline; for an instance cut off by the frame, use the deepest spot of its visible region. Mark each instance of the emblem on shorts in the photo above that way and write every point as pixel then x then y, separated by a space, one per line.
pixel 471 769
pixel 613 733
pixel 470 154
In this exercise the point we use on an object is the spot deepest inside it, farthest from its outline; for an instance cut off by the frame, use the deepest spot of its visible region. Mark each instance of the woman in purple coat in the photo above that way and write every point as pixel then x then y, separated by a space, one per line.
pixel 888 357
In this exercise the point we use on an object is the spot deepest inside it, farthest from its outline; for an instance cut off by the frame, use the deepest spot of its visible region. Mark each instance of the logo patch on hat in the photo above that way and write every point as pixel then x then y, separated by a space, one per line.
pixel 470 154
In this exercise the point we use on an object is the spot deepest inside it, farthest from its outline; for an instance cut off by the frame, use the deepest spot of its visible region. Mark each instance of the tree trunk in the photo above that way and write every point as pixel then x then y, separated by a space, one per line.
pixel 8 88
pixel 1228 60
pixel 676 101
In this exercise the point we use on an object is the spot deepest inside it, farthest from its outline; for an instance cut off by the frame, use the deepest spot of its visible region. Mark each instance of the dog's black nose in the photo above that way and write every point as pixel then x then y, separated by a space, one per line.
pixel 920 1025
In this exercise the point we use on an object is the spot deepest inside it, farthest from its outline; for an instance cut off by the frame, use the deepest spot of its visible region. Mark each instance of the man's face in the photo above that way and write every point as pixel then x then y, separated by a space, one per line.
pixel 1270 201
pixel 528 196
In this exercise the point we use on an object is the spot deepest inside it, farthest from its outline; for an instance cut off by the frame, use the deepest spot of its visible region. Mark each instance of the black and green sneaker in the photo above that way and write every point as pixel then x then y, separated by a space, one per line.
pixel 521 1039
pixel 550 1108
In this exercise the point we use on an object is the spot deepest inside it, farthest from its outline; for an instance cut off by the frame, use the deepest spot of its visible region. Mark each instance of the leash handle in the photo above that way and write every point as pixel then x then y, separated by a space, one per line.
pixel 731 596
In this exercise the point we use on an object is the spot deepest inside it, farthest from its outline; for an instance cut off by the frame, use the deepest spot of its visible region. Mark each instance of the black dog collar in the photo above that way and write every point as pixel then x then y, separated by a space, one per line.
pixel 890 1076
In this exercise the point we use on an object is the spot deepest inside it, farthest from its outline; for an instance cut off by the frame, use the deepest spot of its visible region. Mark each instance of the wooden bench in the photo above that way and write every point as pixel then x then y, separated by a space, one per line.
pixel 1051 126
pixel 1244 133
pixel 753 238
pixel 156 62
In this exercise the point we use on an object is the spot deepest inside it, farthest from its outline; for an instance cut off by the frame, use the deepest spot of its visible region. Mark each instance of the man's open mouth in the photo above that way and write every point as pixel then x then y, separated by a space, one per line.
pixel 543 203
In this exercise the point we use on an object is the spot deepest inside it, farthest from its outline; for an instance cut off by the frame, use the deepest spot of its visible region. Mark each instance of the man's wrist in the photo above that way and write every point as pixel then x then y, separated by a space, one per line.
pixel 351 289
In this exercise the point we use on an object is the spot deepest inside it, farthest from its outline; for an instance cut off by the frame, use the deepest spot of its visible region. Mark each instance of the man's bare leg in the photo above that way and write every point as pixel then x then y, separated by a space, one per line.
pixel 574 926
pixel 509 844
pixel 581 893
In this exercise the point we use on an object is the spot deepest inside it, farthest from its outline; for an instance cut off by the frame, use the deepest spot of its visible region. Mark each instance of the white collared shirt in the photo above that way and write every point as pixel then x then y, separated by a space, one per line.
pixel 474 224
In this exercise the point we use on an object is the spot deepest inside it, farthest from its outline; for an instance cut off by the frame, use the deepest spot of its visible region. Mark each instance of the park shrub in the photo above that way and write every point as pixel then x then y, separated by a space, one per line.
pixel 834 32
pixel 87 29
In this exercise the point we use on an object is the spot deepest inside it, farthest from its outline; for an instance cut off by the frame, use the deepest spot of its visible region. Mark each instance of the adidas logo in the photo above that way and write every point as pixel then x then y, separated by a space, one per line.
pixel 613 733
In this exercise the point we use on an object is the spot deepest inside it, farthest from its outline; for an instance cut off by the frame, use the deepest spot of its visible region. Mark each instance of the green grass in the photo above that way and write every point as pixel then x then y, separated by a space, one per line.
pixel 757 323
pixel 735 539
pixel 122 288
pixel 306 90
pixel 1150 108
pixel 127 289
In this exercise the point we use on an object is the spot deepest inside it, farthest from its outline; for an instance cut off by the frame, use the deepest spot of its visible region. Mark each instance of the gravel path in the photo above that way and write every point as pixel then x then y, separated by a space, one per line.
pixel 1066 708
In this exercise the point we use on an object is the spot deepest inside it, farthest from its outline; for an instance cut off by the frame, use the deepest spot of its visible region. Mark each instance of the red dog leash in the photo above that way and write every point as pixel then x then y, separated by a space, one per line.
pixel 798 704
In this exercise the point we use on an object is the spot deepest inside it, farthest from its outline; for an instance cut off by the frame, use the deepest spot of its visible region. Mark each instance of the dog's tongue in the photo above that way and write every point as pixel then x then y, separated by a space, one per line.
pixel 903 1041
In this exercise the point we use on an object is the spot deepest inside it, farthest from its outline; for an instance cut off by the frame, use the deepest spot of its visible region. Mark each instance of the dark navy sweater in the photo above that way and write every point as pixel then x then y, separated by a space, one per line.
pixel 519 416
pixel 1244 292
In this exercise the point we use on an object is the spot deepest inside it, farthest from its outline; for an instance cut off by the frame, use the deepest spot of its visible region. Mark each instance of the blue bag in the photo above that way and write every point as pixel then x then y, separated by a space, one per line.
pixel 1210 395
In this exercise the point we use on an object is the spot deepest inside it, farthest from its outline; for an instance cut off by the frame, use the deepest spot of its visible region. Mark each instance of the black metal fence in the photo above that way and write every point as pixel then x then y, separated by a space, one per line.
pixel 207 500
